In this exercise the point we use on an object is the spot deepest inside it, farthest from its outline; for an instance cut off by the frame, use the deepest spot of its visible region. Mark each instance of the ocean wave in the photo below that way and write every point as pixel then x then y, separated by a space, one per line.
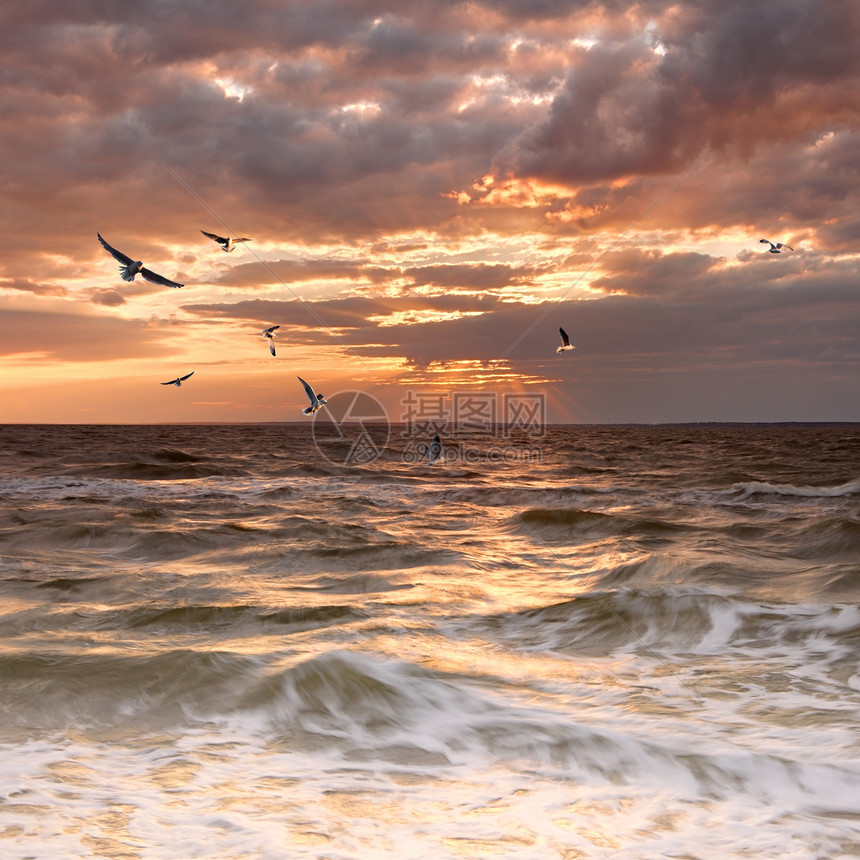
pixel 184 618
pixel 83 691
pixel 511 496
pixel 680 621
pixel 71 615
pixel 574 524
pixel 359 583
pixel 64 583
pixel 839 581
pixel 745 489
pixel 118 490
pixel 571 521
pixel 364 747
pixel 143 470
pixel 828 538
pixel 388 710
pixel 120 539
pixel 380 554
pixel 137 529
pixel 397 713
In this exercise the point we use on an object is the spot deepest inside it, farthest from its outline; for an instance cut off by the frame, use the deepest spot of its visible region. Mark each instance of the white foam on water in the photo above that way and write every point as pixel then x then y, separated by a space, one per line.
pixel 750 488
pixel 427 767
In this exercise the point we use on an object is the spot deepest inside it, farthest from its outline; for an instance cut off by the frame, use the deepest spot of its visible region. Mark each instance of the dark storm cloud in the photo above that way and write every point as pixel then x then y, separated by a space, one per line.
pixel 652 272
pixel 100 93
pixel 726 76
pixel 127 87
pixel 397 44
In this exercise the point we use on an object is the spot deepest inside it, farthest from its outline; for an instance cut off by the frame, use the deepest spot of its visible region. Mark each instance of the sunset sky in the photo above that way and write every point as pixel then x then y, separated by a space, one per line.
pixel 432 188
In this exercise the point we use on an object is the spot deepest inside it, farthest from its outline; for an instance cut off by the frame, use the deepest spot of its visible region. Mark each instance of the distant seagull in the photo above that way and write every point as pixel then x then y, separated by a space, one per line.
pixel 267 333
pixel 316 400
pixel 565 341
pixel 227 244
pixel 129 268
pixel 777 248
pixel 178 382
pixel 434 451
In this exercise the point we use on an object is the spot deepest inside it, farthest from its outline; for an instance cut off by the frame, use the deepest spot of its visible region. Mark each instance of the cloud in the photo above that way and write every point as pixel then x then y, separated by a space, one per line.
pixel 439 183
pixel 652 272
pixel 263 272
pixel 475 276
pixel 39 288
pixel 705 78
pixel 666 311
pixel 78 337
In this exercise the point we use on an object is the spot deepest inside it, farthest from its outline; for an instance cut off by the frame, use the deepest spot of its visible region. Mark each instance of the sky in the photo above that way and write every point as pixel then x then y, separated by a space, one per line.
pixel 431 190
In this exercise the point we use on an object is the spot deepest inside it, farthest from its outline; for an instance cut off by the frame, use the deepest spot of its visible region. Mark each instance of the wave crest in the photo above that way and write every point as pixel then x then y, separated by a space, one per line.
pixel 745 489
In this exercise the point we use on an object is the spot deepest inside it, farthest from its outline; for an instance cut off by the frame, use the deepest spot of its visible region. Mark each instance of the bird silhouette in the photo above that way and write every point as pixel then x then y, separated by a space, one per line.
pixel 179 380
pixel 129 268
pixel 565 341
pixel 227 244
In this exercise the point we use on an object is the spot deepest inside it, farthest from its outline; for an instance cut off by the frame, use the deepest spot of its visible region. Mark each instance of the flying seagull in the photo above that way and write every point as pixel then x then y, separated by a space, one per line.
pixel 565 341
pixel 227 244
pixel 178 382
pixel 129 268
pixel 777 248
pixel 267 333
pixel 316 400
pixel 434 451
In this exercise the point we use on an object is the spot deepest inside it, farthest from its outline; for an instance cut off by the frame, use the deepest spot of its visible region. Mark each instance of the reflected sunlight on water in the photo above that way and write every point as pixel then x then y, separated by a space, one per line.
pixel 644 644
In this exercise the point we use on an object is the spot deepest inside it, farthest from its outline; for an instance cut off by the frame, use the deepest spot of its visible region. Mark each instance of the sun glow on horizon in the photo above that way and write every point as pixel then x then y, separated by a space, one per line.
pixel 468 372
pixel 420 317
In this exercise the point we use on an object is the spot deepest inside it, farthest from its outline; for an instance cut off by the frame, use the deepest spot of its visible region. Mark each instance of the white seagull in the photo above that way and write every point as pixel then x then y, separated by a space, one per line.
pixel 178 382
pixel 565 341
pixel 777 248
pixel 434 451
pixel 227 244
pixel 267 333
pixel 316 400
pixel 129 268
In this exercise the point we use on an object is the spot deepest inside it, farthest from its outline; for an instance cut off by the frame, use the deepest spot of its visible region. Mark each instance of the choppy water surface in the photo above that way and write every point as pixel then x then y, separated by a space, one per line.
pixel 643 643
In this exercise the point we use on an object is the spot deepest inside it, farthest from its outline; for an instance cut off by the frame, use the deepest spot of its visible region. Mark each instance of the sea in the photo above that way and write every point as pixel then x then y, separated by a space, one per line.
pixel 269 641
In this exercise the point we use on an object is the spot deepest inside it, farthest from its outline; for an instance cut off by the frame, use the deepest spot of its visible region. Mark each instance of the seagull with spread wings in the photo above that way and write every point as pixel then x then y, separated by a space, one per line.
pixel 267 333
pixel 565 341
pixel 179 380
pixel 316 400
pixel 777 248
pixel 129 268
pixel 227 243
